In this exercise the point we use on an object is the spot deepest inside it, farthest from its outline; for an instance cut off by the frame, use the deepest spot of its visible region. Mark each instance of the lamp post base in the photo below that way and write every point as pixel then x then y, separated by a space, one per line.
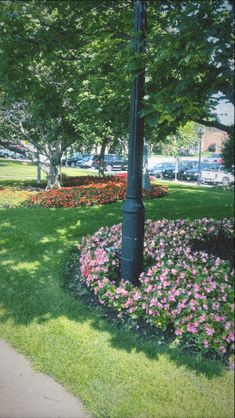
pixel 132 240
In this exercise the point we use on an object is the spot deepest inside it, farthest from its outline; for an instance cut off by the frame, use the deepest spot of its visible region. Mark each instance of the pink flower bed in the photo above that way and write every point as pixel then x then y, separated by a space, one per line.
pixel 188 290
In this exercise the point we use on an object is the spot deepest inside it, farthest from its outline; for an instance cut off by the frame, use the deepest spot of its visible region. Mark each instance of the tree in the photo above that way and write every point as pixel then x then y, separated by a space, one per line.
pixel 189 63
pixel 44 136
pixel 186 137
pixel 55 52
pixel 228 152
pixel 71 62
pixel 33 81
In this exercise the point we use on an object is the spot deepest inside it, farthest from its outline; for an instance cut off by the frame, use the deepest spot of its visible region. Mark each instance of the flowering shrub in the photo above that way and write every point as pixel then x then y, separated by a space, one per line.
pixel 89 191
pixel 188 290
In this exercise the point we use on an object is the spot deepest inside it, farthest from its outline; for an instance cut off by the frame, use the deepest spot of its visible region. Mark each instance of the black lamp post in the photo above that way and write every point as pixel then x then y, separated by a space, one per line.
pixel 133 209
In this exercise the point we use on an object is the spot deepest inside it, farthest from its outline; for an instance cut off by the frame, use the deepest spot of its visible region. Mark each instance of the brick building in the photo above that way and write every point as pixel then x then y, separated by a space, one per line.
pixel 213 137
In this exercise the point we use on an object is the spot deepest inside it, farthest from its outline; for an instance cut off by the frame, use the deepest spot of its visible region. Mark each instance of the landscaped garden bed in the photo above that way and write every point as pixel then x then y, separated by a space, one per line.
pixel 118 367
pixel 88 191
pixel 185 288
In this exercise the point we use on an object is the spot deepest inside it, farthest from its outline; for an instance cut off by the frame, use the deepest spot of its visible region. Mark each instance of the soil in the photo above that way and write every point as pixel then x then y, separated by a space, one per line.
pixel 222 247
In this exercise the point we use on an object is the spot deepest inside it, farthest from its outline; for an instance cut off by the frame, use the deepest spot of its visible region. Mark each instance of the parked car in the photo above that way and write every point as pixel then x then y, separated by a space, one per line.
pixel 85 162
pixel 157 169
pixel 214 158
pixel 219 175
pixel 6 153
pixel 111 162
pixel 170 172
pixel 192 174
pixel 190 164
pixel 72 160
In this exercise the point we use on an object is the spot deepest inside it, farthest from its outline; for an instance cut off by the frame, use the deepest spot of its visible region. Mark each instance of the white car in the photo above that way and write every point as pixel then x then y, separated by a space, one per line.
pixel 6 153
pixel 217 175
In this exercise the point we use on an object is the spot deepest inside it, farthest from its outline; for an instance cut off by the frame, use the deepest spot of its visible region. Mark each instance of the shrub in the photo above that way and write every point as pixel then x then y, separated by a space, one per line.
pixel 188 290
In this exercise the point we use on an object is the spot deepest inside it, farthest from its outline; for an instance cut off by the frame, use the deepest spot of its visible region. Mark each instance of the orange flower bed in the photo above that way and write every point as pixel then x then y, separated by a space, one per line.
pixel 88 191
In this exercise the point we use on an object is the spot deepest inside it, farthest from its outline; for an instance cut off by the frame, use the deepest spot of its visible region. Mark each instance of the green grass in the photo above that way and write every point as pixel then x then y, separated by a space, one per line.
pixel 17 170
pixel 114 372
pixel 25 173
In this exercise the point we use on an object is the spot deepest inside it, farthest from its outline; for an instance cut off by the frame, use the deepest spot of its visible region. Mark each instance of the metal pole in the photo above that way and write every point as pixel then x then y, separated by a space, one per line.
pixel 200 133
pixel 133 209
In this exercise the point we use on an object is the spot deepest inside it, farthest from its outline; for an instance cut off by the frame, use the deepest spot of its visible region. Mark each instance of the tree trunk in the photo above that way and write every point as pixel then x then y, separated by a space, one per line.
pixel 102 151
pixel 54 175
pixel 38 169
pixel 114 145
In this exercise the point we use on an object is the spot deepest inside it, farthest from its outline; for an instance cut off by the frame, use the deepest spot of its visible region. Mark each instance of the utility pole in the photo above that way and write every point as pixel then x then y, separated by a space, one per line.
pixel 133 209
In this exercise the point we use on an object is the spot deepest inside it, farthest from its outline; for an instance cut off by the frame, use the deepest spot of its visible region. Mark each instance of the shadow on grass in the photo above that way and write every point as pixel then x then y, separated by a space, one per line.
pixel 34 247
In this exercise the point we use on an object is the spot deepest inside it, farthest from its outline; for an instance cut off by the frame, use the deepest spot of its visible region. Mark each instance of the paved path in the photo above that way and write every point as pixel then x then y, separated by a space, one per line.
pixel 28 394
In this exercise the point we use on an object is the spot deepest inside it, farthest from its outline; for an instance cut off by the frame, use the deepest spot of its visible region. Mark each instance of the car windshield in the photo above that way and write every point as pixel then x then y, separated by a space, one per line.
pixel 119 157
pixel 170 166
pixel 157 166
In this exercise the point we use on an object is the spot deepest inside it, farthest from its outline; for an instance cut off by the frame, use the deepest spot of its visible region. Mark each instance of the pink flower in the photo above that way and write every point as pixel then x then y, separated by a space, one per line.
pixel 202 318
pixel 206 343
pixel 149 288
pixel 230 336
pixel 191 328
pixel 227 325
pixel 153 302
pixel 178 331
pixel 136 296
pixel 209 330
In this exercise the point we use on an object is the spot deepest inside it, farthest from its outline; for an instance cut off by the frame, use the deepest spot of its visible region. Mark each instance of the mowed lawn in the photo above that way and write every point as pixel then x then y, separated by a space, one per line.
pixel 23 171
pixel 112 370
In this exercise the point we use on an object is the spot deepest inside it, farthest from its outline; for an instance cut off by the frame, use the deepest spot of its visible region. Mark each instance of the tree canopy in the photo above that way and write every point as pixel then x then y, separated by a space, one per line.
pixel 71 64
pixel 189 62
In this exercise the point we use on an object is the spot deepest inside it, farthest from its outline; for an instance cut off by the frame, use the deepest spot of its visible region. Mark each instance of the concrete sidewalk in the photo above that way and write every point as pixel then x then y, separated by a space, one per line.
pixel 28 394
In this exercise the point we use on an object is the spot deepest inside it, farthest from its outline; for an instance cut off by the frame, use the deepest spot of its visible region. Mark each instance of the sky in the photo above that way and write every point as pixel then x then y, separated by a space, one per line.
pixel 225 111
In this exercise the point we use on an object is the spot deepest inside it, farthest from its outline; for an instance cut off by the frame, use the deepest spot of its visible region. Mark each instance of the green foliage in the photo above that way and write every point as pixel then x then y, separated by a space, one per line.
pixel 189 62
pixel 72 63
pixel 186 137
pixel 228 152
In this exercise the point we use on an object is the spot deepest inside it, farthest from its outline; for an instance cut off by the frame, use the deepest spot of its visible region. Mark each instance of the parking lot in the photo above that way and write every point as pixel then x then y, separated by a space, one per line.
pixel 152 162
